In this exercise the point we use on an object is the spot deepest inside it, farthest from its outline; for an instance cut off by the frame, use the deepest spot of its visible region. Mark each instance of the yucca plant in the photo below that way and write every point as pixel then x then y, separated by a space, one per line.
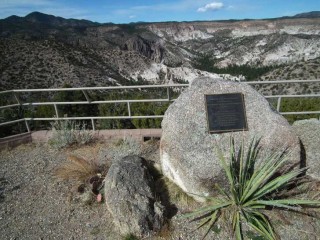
pixel 254 188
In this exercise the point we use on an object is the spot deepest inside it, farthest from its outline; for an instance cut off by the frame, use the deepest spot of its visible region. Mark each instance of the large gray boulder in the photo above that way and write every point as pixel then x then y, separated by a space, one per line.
pixel 187 150
pixel 130 198
pixel 309 133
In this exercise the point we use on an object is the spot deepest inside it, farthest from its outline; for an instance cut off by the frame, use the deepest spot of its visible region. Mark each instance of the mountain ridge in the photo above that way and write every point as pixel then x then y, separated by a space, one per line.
pixel 43 17
pixel 42 50
pixel 38 17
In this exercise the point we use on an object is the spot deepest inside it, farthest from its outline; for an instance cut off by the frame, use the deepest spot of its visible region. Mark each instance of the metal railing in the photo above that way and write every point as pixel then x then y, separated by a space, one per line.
pixel 84 91
pixel 168 98
pixel 281 97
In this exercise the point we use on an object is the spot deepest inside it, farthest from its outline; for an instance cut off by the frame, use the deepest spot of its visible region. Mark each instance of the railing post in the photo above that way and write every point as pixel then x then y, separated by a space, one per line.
pixel 86 96
pixel 27 125
pixel 56 110
pixel 168 93
pixel 279 104
pixel 93 124
pixel 17 98
pixel 129 110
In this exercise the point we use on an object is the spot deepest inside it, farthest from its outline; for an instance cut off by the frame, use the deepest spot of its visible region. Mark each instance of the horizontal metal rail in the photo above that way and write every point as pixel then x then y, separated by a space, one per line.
pixel 149 86
pixel 282 81
pixel 300 113
pixel 84 90
pixel 294 96
pixel 13 121
pixel 88 101
pixel 79 118
pixel 94 88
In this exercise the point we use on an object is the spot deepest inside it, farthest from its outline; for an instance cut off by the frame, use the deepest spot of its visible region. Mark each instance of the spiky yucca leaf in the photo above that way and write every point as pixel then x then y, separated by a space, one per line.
pixel 250 191
pixel 261 224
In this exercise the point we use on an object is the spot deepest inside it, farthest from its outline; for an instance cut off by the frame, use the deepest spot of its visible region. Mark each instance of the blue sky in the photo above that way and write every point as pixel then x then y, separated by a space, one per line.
pixel 125 11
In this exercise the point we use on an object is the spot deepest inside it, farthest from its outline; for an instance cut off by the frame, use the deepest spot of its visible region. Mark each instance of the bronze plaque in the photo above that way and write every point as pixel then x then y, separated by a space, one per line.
pixel 226 112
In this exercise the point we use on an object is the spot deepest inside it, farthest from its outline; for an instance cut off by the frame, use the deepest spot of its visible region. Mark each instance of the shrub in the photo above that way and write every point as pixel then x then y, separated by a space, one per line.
pixel 251 72
pixel 300 104
pixel 253 190
pixel 87 174
pixel 78 169
pixel 130 237
pixel 174 193
pixel 66 133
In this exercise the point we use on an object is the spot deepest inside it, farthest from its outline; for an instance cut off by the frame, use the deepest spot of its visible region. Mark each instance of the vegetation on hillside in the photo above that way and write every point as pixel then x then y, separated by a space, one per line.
pixel 207 63
pixel 300 105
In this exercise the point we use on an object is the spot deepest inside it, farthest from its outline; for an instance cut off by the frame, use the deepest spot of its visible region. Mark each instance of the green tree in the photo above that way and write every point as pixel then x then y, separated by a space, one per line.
pixel 148 109
pixel 299 105
pixel 114 109
pixel 208 63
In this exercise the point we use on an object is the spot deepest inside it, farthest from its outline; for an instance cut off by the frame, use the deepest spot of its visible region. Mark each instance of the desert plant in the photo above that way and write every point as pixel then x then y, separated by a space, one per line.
pixel 174 193
pixel 87 174
pixel 66 133
pixel 78 169
pixel 130 237
pixel 252 191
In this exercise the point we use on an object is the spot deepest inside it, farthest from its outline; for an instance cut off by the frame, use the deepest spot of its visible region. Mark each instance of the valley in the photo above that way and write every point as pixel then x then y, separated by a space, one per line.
pixel 44 51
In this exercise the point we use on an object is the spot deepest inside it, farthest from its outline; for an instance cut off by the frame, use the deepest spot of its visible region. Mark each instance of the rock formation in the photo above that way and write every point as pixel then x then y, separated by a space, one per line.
pixel 40 51
pixel 187 150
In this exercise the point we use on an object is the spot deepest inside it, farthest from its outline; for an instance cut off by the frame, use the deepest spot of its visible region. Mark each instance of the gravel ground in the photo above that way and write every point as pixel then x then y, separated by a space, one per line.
pixel 35 205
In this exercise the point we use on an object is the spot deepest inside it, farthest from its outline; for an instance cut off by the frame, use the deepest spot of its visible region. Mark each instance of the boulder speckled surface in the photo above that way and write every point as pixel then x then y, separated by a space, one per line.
pixel 187 150
pixel 130 195
pixel 309 133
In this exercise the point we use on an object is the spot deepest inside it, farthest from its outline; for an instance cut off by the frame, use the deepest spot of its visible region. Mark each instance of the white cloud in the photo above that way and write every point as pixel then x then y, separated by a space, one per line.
pixel 132 16
pixel 211 7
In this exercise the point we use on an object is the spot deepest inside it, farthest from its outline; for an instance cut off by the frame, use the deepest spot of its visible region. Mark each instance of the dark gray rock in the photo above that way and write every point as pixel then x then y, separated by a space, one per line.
pixel 130 197
pixel 187 150
pixel 309 133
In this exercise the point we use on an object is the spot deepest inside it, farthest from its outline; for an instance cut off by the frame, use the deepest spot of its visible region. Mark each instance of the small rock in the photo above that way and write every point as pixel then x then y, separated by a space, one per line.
pixel 129 196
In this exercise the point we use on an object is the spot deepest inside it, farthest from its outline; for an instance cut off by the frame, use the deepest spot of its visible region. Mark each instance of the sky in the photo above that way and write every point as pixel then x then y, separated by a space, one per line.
pixel 126 11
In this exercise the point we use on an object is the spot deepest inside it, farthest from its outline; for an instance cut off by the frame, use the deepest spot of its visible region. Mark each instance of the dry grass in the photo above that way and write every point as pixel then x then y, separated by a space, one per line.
pixel 166 232
pixel 77 169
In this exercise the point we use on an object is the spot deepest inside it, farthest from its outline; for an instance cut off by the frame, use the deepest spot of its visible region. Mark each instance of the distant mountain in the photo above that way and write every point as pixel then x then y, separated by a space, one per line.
pixel 50 20
pixel 313 14
pixel 41 50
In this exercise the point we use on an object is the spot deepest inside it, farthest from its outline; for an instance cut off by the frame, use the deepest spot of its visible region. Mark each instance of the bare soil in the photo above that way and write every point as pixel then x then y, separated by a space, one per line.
pixel 35 205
